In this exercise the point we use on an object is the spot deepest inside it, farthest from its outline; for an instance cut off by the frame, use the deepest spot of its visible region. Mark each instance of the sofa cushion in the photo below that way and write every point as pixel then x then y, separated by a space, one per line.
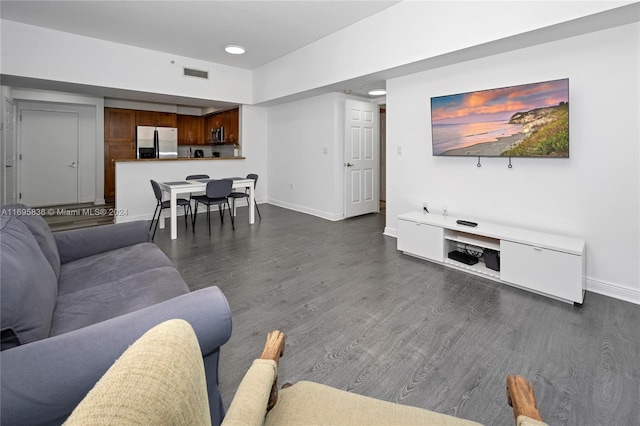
pixel 28 284
pixel 112 299
pixel 43 235
pixel 110 266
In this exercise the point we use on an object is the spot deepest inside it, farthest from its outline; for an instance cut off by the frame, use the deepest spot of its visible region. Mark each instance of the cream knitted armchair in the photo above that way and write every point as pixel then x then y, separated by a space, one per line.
pixel 160 380
pixel 257 401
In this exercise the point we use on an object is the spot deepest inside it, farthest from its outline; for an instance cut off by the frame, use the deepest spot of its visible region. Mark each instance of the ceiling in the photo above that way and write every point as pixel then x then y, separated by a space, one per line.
pixel 268 29
pixel 200 29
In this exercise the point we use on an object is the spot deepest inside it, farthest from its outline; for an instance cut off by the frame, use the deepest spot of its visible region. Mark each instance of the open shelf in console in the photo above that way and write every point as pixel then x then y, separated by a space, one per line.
pixel 472 239
pixel 458 240
pixel 479 268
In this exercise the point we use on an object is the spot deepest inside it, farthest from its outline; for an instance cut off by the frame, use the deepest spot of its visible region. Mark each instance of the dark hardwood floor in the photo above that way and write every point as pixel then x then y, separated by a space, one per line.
pixel 82 215
pixel 361 316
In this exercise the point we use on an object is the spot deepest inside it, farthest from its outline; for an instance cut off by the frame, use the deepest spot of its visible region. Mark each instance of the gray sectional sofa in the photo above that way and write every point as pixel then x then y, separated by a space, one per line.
pixel 73 301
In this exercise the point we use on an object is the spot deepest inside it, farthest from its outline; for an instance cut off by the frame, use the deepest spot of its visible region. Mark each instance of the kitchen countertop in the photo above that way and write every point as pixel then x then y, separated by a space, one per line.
pixel 178 159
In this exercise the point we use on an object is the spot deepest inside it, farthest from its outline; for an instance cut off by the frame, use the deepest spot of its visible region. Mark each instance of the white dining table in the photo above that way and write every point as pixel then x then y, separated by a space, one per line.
pixel 199 185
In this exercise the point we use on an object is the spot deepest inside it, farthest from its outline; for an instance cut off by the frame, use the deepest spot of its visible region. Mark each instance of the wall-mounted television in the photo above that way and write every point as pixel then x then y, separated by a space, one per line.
pixel 529 120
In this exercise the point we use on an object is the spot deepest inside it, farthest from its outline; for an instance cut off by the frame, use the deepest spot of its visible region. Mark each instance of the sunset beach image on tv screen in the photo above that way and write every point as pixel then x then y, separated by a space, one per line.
pixel 530 120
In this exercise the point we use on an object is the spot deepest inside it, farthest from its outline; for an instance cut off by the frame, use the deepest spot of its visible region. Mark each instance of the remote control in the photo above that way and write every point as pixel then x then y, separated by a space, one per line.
pixel 466 223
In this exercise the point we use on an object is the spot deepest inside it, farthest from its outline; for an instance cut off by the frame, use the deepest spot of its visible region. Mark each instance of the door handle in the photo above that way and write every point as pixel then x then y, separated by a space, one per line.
pixel 72 165
pixel 349 164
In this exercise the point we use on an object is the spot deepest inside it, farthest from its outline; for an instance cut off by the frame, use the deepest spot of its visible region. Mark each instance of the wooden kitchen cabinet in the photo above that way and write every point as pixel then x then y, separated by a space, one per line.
pixel 191 130
pixel 167 119
pixel 230 120
pixel 119 143
pixel 232 126
pixel 114 151
pixel 210 122
pixel 155 118
pixel 119 125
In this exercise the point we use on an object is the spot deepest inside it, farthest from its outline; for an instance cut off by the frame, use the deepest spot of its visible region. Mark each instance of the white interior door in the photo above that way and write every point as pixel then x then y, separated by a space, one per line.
pixel 9 146
pixel 48 157
pixel 361 164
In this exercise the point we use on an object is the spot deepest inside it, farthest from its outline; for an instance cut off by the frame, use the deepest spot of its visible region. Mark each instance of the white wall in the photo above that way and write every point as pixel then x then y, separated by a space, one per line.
pixel 594 195
pixel 406 33
pixel 253 142
pixel 41 53
pixel 372 45
pixel 301 176
pixel 91 134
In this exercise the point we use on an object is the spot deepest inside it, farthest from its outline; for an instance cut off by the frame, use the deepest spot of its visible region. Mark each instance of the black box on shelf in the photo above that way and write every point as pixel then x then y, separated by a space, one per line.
pixel 461 257
pixel 492 259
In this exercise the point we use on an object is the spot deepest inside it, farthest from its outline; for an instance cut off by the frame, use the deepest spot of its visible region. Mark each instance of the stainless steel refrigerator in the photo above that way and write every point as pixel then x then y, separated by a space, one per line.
pixel 156 142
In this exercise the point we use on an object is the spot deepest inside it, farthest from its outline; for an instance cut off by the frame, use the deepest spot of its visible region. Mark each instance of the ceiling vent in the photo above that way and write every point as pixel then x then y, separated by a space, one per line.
pixel 190 72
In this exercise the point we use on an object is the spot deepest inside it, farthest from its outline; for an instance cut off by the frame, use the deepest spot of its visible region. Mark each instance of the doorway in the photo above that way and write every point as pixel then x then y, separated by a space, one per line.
pixel 10 189
pixel 48 157
pixel 361 163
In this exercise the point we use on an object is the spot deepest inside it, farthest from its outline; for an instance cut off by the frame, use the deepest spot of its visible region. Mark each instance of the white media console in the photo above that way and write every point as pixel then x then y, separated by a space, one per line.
pixel 548 264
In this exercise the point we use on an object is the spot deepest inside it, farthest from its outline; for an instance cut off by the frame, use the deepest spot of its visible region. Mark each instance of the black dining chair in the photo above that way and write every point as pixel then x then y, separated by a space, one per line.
pixel 160 205
pixel 245 194
pixel 195 177
pixel 217 193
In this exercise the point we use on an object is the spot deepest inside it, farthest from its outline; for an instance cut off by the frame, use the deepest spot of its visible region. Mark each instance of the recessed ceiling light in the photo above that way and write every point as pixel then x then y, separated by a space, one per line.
pixel 234 50
pixel 377 92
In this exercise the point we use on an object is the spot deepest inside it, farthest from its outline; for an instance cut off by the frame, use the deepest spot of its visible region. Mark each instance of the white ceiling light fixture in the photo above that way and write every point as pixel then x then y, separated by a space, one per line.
pixel 377 92
pixel 234 49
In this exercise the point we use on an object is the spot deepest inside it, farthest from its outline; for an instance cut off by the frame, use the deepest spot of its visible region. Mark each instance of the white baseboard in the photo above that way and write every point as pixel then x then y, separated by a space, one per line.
pixel 127 218
pixel 390 232
pixel 180 212
pixel 613 290
pixel 324 215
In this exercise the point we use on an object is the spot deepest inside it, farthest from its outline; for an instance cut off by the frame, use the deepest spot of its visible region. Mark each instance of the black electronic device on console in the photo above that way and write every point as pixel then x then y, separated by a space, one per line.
pixel 461 257
pixel 466 223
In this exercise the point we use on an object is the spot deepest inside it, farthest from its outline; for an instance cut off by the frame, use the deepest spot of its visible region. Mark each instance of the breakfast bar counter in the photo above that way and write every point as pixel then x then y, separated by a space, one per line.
pixel 135 199
pixel 181 159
